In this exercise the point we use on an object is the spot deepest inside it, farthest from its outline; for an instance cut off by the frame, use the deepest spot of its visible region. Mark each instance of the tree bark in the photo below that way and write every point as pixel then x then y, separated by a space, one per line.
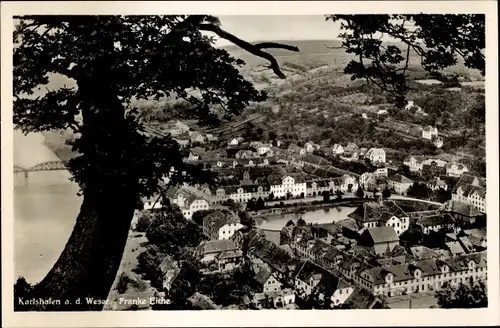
pixel 88 265
pixel 84 273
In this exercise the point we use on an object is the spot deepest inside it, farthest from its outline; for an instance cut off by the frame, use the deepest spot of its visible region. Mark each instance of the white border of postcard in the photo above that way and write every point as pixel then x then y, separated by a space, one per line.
pixel 234 318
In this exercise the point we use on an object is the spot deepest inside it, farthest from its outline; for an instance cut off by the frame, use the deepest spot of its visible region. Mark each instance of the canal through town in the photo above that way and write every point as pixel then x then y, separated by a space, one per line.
pixel 273 224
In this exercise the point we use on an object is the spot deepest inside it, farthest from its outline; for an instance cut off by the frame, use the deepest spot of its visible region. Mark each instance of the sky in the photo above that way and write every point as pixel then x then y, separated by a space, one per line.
pixel 289 27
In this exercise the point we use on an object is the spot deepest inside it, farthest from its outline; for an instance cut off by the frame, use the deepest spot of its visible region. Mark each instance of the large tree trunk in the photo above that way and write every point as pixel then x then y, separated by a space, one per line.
pixel 88 265
pixel 84 273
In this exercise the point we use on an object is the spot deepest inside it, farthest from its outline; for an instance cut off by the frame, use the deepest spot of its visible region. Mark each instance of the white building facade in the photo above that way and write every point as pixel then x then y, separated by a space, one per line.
pixel 376 155
pixel 289 185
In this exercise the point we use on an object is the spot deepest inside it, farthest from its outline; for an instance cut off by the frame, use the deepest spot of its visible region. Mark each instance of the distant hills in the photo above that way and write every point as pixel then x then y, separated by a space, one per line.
pixel 309 51
pixel 315 53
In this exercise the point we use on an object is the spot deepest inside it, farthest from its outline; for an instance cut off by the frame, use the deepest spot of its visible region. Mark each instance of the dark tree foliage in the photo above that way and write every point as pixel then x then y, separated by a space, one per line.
pixel 143 222
pixel 386 193
pixel 259 204
pixel 123 282
pixel 360 193
pixel 246 219
pixel 199 215
pixel 471 295
pixel 172 233
pixel 22 289
pixel 412 237
pixel 114 61
pixel 419 190
pixel 439 40
pixel 326 196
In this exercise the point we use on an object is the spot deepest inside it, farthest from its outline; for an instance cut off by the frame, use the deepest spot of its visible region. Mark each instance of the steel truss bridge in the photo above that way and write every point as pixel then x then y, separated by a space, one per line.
pixel 45 166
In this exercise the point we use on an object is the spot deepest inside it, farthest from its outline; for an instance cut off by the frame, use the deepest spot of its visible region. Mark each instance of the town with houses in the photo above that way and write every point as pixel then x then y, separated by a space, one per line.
pixel 394 245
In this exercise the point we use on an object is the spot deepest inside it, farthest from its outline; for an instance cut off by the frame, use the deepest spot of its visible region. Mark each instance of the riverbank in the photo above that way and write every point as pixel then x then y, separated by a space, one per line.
pixel 57 142
pixel 302 207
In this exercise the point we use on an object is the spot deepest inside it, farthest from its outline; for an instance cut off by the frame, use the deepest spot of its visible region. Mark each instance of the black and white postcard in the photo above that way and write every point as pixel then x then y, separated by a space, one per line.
pixel 170 157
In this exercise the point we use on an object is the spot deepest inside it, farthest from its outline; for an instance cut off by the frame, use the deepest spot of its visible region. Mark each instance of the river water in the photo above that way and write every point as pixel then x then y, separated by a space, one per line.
pixel 45 209
pixel 46 206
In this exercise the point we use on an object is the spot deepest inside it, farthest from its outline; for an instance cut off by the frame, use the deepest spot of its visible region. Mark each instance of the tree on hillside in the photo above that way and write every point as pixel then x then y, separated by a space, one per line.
pixel 386 65
pixel 246 219
pixel 412 236
pixel 386 193
pixel 198 216
pixel 360 193
pixel 22 289
pixel 143 222
pixel 471 295
pixel 301 222
pixel 419 190
pixel 259 204
pixel 326 196
pixel 114 61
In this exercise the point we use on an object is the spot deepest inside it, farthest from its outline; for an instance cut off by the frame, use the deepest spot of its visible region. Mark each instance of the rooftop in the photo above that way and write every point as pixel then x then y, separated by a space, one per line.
pixel 399 178
pixel 383 234
pixel 373 211
pixel 216 246
pixel 435 220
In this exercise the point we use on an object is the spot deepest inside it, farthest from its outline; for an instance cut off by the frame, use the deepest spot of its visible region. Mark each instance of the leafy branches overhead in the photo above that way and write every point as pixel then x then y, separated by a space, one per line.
pixel 439 40
pixel 115 61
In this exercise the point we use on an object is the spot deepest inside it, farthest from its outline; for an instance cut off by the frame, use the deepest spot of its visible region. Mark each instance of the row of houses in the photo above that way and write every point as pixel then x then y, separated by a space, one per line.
pixel 352 151
pixel 435 166
pixel 380 180
pixel 213 159
pixel 471 190
pixel 277 267
pixel 188 203
pixel 283 185
pixel 184 135
pixel 399 274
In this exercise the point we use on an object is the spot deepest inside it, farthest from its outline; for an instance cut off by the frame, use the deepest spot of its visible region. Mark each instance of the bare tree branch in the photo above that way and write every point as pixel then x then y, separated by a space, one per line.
pixel 253 49
pixel 407 59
